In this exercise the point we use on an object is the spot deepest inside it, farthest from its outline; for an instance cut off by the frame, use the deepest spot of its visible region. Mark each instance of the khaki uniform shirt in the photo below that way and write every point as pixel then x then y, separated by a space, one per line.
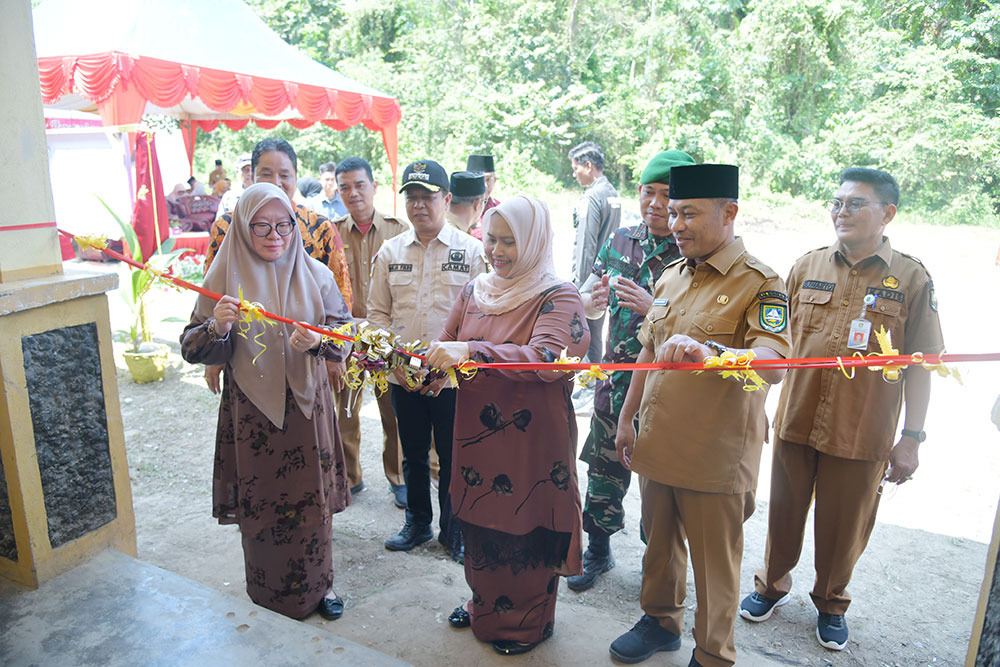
pixel 452 219
pixel 413 288
pixel 703 432
pixel 360 250
pixel 853 419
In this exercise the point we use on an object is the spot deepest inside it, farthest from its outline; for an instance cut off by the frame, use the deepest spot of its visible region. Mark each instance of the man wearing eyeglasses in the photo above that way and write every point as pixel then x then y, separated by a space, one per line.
pixel 416 277
pixel 834 435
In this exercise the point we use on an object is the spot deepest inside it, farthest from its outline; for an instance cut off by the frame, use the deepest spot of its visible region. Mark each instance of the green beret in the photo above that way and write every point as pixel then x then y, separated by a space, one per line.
pixel 658 169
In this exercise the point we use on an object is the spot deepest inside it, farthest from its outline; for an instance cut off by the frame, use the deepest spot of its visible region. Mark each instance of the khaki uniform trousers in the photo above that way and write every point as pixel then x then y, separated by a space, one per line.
pixel 846 503
pixel 713 526
pixel 350 434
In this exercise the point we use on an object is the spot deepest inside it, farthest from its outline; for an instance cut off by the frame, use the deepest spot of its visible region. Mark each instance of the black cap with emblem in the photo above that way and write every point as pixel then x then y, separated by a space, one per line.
pixel 467 184
pixel 705 181
pixel 483 163
pixel 428 174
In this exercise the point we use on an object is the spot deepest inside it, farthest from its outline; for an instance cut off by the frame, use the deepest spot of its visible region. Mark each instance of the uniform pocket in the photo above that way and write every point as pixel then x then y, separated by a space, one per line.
pixel 812 309
pixel 886 313
pixel 716 328
pixel 397 278
pixel 452 278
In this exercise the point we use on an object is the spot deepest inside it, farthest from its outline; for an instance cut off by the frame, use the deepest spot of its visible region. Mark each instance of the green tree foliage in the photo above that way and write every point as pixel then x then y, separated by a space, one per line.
pixel 792 90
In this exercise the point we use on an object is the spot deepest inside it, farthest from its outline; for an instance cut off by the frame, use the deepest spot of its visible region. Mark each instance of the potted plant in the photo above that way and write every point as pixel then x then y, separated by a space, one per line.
pixel 146 360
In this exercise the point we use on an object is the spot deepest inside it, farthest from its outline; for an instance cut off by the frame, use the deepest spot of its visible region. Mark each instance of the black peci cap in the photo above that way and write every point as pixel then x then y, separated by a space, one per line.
pixel 467 184
pixel 705 181
pixel 482 163
pixel 428 174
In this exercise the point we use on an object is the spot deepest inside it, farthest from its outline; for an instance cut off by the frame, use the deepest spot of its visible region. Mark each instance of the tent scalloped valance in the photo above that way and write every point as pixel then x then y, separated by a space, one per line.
pixel 166 84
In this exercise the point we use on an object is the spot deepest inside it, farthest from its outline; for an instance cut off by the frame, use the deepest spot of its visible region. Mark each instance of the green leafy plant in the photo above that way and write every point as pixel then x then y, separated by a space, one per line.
pixel 141 282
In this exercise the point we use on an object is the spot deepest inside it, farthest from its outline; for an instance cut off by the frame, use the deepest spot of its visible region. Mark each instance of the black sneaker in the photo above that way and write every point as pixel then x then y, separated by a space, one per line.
pixel 831 631
pixel 755 607
pixel 410 536
pixel 644 639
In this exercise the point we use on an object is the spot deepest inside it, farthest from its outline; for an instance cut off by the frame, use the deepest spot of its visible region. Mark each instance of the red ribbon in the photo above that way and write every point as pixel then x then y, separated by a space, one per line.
pixel 898 361
pixel 214 296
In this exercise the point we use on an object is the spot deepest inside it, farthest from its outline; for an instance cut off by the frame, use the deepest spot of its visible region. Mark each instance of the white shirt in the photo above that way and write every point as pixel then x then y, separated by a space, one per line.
pixel 413 288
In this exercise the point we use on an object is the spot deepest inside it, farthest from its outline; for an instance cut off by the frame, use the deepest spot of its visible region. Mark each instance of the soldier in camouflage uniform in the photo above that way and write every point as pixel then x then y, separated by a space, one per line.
pixel 622 281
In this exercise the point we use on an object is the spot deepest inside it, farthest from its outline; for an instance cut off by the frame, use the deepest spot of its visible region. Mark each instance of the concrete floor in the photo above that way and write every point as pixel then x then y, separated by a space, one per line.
pixel 115 610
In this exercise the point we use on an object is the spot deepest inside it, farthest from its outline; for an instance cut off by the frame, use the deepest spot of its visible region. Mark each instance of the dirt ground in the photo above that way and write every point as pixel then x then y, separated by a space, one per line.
pixel 915 590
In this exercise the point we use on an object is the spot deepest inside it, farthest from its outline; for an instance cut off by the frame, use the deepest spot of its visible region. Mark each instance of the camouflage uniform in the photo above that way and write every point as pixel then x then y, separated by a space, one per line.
pixel 631 253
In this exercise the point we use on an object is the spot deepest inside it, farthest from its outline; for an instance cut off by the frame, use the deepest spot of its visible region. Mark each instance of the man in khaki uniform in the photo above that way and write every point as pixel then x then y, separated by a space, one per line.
pixel 834 435
pixel 700 436
pixel 364 230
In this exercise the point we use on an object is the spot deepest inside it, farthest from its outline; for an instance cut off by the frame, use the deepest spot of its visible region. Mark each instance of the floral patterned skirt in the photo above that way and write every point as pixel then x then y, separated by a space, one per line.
pixel 513 581
pixel 291 571
pixel 282 486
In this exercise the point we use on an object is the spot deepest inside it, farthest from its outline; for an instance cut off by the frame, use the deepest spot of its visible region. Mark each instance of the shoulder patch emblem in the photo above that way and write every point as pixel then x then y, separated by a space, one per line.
pixel 780 296
pixel 933 297
pixel 892 282
pixel 773 317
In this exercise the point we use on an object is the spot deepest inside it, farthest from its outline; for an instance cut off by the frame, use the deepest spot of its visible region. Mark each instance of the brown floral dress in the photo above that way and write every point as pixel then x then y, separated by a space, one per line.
pixel 514 485
pixel 281 486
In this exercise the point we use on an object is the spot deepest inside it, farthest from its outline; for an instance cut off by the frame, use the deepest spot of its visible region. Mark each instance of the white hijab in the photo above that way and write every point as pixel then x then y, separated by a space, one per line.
pixel 533 271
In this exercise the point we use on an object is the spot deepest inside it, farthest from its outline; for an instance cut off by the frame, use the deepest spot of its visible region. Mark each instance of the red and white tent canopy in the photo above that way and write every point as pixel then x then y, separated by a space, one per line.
pixel 204 61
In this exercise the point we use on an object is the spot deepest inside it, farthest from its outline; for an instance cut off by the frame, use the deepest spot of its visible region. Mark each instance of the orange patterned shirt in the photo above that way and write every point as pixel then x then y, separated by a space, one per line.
pixel 319 236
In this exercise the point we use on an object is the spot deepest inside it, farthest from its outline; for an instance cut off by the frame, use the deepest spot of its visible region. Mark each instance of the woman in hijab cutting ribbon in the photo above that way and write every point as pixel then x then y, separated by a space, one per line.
pixel 279 463
pixel 514 486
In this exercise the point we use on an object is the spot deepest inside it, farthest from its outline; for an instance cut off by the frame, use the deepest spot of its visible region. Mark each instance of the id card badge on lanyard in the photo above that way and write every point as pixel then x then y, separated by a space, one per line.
pixel 861 328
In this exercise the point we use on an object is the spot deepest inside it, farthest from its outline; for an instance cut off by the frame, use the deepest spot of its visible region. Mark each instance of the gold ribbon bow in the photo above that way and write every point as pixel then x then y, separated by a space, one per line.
pixel 251 312
pixel 738 368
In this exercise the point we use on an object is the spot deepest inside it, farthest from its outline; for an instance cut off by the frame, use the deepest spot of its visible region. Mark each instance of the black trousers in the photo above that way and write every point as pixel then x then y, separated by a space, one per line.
pixel 418 416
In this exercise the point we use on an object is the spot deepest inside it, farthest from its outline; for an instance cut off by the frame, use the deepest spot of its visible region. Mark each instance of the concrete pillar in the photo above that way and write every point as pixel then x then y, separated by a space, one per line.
pixel 64 487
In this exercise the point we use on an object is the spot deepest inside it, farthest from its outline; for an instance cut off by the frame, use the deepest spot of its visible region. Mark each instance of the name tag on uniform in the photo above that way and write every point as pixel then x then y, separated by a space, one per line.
pixel 400 267
pixel 455 266
pixel 660 302
pixel 861 331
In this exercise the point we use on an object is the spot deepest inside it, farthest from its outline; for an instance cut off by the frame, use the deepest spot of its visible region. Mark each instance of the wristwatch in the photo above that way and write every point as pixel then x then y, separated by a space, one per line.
pixel 919 436
pixel 719 348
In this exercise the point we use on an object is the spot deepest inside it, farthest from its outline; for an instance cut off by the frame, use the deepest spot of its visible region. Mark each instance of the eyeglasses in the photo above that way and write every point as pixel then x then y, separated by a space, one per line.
pixel 264 228
pixel 852 205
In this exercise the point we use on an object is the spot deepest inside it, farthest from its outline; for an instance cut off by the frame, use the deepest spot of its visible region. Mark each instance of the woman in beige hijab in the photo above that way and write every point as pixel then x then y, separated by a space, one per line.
pixel 279 462
pixel 514 489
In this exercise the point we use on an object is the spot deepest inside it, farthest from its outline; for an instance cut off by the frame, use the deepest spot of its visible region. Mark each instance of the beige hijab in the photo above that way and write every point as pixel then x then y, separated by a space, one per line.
pixel 295 286
pixel 533 272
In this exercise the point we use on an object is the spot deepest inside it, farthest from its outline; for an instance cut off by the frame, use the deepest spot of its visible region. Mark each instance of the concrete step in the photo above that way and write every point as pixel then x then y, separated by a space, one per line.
pixel 115 610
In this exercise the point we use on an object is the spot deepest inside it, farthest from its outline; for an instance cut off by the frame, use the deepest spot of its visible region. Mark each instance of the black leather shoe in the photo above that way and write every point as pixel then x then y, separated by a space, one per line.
pixel 410 536
pixel 355 490
pixel 331 608
pixel 399 495
pixel 511 647
pixel 644 639
pixel 694 662
pixel 459 618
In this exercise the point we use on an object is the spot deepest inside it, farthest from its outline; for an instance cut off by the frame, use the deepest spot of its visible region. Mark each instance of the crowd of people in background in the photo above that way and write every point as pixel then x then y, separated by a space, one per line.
pixel 473 278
